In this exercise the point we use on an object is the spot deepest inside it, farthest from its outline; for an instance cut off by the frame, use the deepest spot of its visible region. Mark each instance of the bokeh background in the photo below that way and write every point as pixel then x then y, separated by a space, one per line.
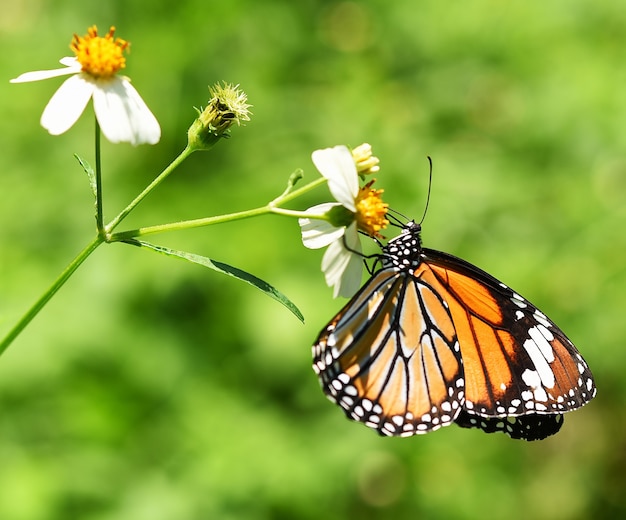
pixel 150 388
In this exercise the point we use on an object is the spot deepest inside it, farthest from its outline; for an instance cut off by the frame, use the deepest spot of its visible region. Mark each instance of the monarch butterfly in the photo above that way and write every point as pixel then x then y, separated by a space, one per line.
pixel 431 339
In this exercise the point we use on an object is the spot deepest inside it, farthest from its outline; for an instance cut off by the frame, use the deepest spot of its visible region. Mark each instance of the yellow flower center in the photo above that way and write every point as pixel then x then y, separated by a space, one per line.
pixel 371 211
pixel 100 56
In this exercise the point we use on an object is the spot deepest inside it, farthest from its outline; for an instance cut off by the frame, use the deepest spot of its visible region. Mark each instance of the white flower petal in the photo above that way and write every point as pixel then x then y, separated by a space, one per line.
pixel 353 238
pixel 319 233
pixel 342 268
pixel 321 209
pixel 71 61
pixel 337 165
pixel 123 115
pixel 71 67
pixel 67 104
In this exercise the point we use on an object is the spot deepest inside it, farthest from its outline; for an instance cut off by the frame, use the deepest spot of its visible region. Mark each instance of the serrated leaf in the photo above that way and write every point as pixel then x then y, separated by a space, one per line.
pixel 226 269
pixel 89 171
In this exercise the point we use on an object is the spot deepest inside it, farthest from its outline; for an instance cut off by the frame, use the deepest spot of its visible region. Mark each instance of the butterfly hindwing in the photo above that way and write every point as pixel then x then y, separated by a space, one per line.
pixel 531 427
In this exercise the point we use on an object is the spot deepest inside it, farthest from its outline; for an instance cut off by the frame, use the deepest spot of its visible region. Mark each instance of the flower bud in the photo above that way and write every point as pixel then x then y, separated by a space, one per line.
pixel 226 107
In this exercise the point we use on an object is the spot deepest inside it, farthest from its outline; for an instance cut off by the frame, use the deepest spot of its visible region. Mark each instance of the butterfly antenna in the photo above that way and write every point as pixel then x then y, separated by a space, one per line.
pixel 396 218
pixel 430 183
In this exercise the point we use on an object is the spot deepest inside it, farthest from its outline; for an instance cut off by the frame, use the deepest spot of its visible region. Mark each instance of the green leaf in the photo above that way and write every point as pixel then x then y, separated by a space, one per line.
pixel 223 268
pixel 89 171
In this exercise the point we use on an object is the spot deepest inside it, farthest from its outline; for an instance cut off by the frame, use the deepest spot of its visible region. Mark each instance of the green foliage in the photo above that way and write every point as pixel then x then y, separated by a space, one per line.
pixel 148 389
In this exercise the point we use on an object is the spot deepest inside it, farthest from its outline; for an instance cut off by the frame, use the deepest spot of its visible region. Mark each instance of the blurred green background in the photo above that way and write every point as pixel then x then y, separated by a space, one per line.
pixel 149 388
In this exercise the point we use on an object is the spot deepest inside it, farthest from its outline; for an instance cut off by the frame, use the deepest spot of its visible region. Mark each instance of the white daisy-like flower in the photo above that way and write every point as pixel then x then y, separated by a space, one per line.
pixel 122 115
pixel 336 224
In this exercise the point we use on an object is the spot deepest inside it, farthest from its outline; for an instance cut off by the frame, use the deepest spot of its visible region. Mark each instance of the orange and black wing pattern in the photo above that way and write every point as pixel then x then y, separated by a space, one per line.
pixel 391 357
pixel 431 339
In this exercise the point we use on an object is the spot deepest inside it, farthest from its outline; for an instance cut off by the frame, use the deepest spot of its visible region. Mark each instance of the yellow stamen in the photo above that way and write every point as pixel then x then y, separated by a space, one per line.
pixel 366 163
pixel 100 56
pixel 371 211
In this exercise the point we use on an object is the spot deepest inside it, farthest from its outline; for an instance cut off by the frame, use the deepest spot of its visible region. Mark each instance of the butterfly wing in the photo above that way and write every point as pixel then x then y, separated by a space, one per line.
pixel 531 427
pixel 431 339
pixel 517 362
pixel 391 357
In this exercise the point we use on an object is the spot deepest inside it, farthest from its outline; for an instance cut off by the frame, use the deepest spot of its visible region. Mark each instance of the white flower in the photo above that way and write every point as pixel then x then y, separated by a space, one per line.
pixel 122 114
pixel 341 267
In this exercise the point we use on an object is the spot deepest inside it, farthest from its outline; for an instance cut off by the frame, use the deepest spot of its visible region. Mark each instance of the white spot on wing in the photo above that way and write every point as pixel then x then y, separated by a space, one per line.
pixel 541 318
pixel 542 342
pixel 531 378
pixel 545 332
pixel 535 351
pixel 350 390
pixel 520 304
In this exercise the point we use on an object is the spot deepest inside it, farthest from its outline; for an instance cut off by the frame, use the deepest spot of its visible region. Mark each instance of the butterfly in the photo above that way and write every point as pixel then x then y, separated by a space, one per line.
pixel 432 340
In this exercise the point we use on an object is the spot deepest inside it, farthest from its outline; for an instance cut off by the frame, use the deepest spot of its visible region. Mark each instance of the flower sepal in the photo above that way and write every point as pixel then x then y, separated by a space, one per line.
pixel 340 216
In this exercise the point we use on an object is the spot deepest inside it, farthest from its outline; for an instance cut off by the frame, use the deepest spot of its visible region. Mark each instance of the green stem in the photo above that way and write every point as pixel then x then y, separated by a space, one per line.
pixel 161 177
pixel 294 213
pixel 104 233
pixel 297 193
pixel 45 297
pixel 102 236
pixel 272 207
pixel 189 224
pixel 99 211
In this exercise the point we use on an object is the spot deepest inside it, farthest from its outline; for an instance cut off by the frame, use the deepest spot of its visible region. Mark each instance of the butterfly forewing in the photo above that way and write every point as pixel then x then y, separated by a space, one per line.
pixel 386 361
pixel 516 360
